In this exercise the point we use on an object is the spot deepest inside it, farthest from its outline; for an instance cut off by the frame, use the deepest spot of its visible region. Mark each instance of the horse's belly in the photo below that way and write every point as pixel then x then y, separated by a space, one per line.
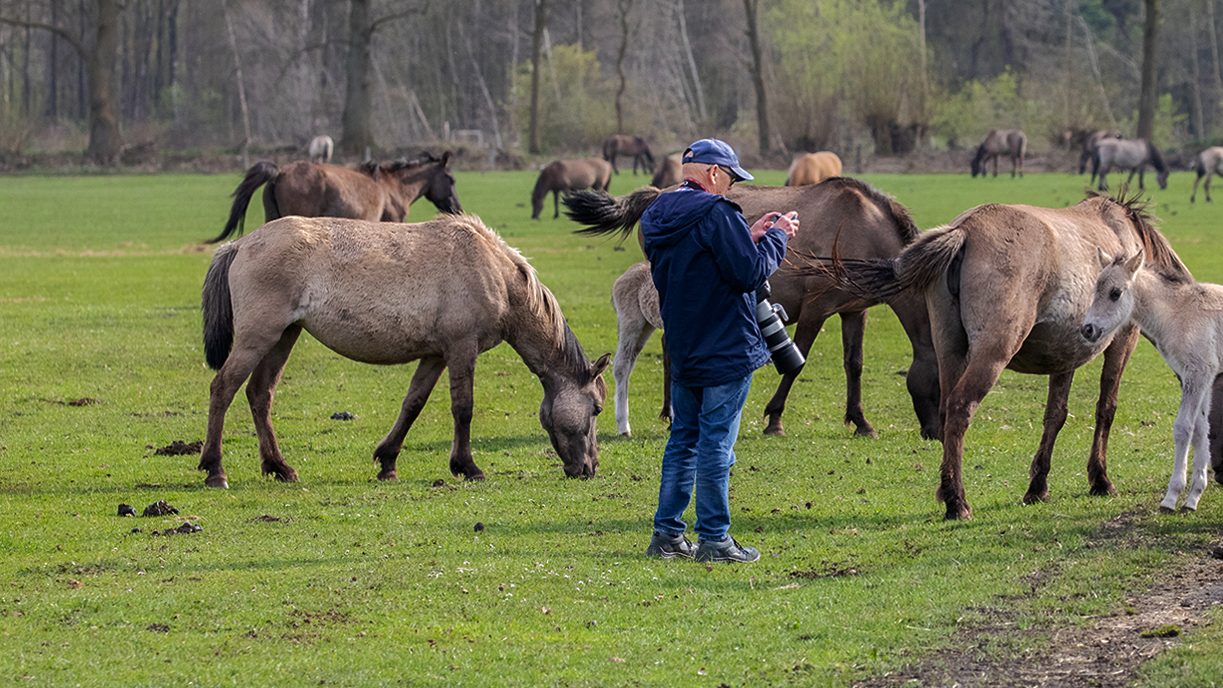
pixel 1052 348
pixel 385 341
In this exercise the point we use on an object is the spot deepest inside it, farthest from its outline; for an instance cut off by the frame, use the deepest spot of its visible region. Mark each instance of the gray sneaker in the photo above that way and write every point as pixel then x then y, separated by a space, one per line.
pixel 725 550
pixel 670 546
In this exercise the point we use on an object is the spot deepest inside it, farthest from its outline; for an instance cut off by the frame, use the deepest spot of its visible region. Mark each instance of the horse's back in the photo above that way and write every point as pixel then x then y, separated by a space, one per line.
pixel 374 291
pixel 813 168
pixel 314 190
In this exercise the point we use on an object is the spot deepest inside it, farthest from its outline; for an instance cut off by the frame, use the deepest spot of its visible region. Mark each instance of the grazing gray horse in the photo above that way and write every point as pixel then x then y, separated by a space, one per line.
pixel 1208 163
pixel 1133 155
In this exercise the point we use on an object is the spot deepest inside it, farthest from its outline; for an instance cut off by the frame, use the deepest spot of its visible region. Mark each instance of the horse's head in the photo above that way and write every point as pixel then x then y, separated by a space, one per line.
pixel 1113 304
pixel 568 413
pixel 1161 176
pixel 439 187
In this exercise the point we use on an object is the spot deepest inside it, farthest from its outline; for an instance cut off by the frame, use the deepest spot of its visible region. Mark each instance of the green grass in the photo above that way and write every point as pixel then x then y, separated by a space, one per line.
pixel 342 580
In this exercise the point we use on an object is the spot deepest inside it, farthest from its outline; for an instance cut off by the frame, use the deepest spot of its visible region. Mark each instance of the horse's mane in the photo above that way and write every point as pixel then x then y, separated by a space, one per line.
pixel 899 214
pixel 978 157
pixel 1156 246
pixel 1156 159
pixel 540 300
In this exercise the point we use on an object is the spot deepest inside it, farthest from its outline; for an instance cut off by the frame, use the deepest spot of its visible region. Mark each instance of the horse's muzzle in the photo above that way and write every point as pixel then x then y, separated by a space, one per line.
pixel 585 469
pixel 1091 332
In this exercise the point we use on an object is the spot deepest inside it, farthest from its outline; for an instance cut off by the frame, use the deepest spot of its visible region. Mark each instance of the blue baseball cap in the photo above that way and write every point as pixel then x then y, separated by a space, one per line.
pixel 716 152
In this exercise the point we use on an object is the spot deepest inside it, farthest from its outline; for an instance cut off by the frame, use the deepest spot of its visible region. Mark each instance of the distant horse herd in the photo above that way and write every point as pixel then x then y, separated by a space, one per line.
pixel 1037 290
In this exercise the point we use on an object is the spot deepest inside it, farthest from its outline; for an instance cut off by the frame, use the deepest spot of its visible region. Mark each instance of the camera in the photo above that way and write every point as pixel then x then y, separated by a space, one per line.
pixel 770 316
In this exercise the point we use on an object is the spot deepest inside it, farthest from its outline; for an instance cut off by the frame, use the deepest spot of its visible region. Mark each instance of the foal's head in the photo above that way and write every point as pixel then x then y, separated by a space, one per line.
pixel 1113 304
pixel 568 413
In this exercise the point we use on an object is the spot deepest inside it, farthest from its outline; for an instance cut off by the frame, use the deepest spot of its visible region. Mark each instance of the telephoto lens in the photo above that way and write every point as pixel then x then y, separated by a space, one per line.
pixel 770 317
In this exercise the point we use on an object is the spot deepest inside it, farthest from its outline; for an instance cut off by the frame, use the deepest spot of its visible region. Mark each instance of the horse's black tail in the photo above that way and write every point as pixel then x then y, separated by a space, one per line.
pixel 218 310
pixel 603 214
pixel 260 173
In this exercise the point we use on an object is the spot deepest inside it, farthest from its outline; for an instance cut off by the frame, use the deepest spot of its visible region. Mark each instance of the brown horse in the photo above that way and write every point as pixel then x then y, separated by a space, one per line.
pixel 372 192
pixel 440 292
pixel 1010 142
pixel 875 227
pixel 622 144
pixel 1008 286
pixel 568 175
pixel 813 168
pixel 670 171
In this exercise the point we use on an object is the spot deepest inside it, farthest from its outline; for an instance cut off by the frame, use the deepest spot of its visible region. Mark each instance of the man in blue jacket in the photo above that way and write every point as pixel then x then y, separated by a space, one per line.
pixel 707 263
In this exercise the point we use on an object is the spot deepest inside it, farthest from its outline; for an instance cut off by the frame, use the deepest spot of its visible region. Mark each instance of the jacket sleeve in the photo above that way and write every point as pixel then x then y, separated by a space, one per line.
pixel 744 265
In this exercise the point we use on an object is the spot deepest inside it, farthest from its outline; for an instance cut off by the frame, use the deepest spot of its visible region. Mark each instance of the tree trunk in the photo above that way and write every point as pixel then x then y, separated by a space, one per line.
pixel 762 107
pixel 246 118
pixel 537 43
pixel 1216 84
pixel 105 139
pixel 358 134
pixel 1199 128
pixel 623 6
pixel 1149 96
pixel 701 111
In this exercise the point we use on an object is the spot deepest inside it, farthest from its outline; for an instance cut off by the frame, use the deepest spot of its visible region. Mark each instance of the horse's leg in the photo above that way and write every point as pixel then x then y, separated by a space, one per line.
pixel 428 371
pixel 665 412
pixel 1184 434
pixel 631 339
pixel 238 366
pixel 922 380
pixel 1195 188
pixel 1130 178
pixel 556 203
pixel 462 363
pixel 1206 188
pixel 1056 410
pixel 810 320
pixel 259 391
pixel 1116 356
pixel 853 326
pixel 1216 429
pixel 1103 184
pixel 1201 449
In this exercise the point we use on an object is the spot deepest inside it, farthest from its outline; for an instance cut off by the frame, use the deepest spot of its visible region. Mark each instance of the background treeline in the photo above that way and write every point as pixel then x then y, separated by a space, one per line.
pixel 881 76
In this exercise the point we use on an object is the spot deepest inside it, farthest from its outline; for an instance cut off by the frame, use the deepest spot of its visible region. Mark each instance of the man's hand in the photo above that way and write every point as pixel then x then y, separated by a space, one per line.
pixel 762 225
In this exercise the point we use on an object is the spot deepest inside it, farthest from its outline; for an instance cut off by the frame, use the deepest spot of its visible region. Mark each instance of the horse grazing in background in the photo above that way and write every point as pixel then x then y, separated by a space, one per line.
pixel 1010 142
pixel 320 149
pixel 440 292
pixel 1184 320
pixel 568 175
pixel 622 144
pixel 813 168
pixel 1207 164
pixel 1008 286
pixel 875 227
pixel 1088 154
pixel 371 192
pixel 1133 155
pixel 670 171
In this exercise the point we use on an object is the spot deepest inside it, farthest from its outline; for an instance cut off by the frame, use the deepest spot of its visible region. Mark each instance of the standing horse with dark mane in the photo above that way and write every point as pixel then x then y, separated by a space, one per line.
pixel 875 226
pixel 568 175
pixel 1207 164
pixel 1007 286
pixel 1088 153
pixel 622 144
pixel 1010 142
pixel 373 192
pixel 1133 155
pixel 438 292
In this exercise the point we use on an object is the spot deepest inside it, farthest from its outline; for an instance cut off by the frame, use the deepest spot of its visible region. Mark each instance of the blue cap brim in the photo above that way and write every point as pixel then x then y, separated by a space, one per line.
pixel 742 174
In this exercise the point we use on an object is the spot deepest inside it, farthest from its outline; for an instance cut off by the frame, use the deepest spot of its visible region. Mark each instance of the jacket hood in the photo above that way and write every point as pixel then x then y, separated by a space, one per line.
pixel 676 213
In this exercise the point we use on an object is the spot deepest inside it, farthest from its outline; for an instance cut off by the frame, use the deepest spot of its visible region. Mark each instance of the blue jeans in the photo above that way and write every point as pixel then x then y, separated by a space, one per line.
pixel 704 428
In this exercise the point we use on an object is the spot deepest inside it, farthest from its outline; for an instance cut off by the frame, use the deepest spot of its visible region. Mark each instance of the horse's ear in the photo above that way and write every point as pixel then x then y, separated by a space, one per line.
pixel 1134 262
pixel 445 158
pixel 597 368
pixel 1103 258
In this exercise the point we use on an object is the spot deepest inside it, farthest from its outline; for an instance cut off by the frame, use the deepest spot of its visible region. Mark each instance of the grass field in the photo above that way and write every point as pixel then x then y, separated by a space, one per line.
pixel 342 580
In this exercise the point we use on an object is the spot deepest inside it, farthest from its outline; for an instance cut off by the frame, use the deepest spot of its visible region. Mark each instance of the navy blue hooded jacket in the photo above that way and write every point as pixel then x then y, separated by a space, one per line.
pixel 707 269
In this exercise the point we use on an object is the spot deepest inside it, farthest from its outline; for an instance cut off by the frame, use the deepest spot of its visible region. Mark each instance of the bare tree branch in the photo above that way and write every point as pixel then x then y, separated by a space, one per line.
pixel 60 31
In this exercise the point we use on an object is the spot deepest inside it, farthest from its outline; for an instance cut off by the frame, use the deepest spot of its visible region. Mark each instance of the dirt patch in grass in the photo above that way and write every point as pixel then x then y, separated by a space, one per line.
pixel 180 448
pixel 1105 653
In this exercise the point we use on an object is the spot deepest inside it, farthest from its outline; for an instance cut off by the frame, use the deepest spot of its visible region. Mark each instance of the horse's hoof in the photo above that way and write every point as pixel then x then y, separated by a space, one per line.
pixel 1188 509
pixel 960 515
pixel 388 475
pixel 289 476
pixel 216 481
pixel 1105 490
pixel 1036 497
pixel 775 429
pixel 867 431
pixel 1166 510
pixel 477 474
